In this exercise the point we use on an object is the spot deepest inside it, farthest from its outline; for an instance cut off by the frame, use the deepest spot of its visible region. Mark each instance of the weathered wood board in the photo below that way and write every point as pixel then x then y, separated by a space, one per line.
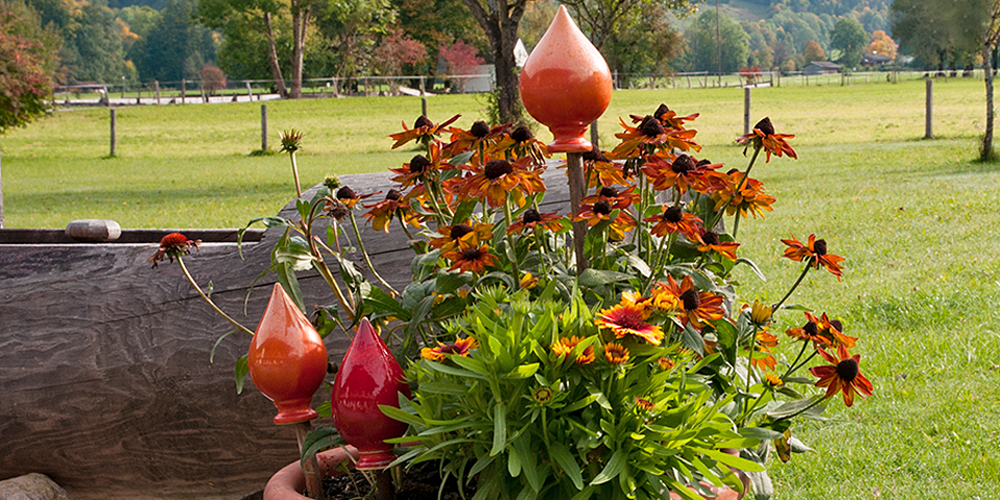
pixel 105 380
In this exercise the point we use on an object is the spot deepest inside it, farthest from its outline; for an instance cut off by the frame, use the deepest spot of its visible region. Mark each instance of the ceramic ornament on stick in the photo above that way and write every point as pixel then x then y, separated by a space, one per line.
pixel 566 84
pixel 287 359
pixel 368 377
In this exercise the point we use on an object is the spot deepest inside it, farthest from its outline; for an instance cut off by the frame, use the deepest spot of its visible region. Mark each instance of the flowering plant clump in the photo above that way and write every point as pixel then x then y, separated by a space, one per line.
pixel 634 368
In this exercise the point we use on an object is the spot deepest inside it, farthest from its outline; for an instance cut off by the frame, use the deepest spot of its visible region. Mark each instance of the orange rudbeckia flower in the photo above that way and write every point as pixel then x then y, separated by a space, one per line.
pixel 842 375
pixel 815 251
pixel 763 136
pixel 629 319
pixel 696 307
pixel 423 130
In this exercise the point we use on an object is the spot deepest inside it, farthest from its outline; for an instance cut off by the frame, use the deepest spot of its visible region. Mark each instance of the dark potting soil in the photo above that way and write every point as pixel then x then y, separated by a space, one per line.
pixel 420 482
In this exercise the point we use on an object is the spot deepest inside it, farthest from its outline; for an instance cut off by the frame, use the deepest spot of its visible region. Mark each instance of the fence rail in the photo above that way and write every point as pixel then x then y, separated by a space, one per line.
pixel 192 91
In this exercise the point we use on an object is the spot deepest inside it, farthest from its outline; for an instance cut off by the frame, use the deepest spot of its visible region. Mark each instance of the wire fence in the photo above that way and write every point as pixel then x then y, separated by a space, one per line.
pixel 193 91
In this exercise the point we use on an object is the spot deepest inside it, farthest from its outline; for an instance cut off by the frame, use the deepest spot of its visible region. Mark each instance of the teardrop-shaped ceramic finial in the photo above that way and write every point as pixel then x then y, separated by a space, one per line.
pixel 566 84
pixel 287 359
pixel 368 377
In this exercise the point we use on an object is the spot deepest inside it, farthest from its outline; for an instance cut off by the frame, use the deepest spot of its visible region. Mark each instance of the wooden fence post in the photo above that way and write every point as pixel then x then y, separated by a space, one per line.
pixel 156 85
pixel 929 134
pixel 249 92
pixel 423 97
pixel 746 110
pixel 183 88
pixel 263 127
pixel 114 123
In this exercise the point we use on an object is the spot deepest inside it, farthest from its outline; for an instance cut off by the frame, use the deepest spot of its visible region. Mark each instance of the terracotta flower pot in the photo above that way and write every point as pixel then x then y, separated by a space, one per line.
pixel 289 482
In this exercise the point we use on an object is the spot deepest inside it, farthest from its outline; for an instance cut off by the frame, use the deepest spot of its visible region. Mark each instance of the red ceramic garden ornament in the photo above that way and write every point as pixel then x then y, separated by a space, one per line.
pixel 287 359
pixel 368 377
pixel 566 84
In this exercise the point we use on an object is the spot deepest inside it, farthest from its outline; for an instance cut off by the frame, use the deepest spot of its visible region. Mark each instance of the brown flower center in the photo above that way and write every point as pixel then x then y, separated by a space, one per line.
pixel 459 230
pixel 531 215
pixel 480 129
pixel 674 215
pixel 660 111
pixel 471 254
pixel 710 238
pixel 602 207
pixel 690 299
pixel 522 134
pixel 394 194
pixel 819 246
pixel 765 126
pixel 346 193
pixel 608 192
pixel 683 164
pixel 651 127
pixel 847 370
pixel 497 168
pixel 810 329
pixel 451 349
pixel 423 121
pixel 418 164
pixel 837 324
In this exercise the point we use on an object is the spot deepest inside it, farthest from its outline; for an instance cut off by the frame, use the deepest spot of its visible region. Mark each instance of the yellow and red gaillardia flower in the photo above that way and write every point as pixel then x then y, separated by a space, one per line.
pixel 564 347
pixel 629 319
pixel 773 379
pixel 475 259
pixel 461 347
pixel 173 245
pixel 695 307
pixel 674 220
pixel 495 179
pixel 683 173
pixel 763 136
pixel 709 241
pixel 532 220
pixel 461 236
pixel 751 199
pixel 644 404
pixel 815 251
pixel 380 214
pixel 423 130
pixel 615 353
pixel 843 374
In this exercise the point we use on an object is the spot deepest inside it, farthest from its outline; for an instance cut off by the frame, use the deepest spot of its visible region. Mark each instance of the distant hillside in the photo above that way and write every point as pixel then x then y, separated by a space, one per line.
pixel 154 4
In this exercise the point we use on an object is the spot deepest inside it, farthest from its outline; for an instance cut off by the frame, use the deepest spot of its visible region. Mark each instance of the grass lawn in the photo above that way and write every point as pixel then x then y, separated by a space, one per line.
pixel 915 219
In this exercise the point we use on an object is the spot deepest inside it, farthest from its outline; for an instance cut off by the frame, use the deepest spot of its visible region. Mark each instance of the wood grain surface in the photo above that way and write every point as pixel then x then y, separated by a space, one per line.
pixel 105 379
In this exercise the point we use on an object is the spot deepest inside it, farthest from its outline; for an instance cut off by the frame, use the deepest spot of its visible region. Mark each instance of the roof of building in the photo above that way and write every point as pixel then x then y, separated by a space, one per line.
pixel 825 64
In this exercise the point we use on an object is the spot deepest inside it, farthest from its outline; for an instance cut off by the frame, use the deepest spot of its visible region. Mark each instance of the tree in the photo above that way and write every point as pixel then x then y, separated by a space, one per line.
pixel 813 52
pixel 461 58
pixel 881 44
pixel 175 48
pixel 703 53
pixel 921 26
pixel 499 19
pixel 351 29
pixel 645 46
pixel 236 16
pixel 26 65
pixel 850 38
pixel 434 23
pixel 602 19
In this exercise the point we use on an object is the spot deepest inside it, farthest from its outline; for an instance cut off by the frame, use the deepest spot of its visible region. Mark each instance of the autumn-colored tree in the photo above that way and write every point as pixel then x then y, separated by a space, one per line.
pixel 212 79
pixel 461 58
pixel 813 52
pixel 882 44
pixel 396 50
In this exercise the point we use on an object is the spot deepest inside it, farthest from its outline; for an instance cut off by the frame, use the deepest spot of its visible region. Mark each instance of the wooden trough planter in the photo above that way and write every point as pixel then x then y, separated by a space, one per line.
pixel 105 379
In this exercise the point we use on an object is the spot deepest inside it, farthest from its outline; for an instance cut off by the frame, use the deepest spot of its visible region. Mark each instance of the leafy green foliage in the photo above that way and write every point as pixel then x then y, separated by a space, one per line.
pixel 26 64
pixel 849 37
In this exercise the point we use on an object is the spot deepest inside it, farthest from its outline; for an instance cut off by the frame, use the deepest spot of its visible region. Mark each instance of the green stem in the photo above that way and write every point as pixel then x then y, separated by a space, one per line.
pixel 743 183
pixel 509 217
pixel 295 173
pixel 368 260
pixel 803 363
pixel 209 301
pixel 802 351
pixel 789 294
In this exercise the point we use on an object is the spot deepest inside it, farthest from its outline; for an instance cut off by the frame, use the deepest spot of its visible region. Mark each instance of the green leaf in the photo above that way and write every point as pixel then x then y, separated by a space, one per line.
pixel 461 159
pixel 242 369
pixel 286 276
pixel 523 371
pixel 585 494
pixel 318 440
pixel 377 300
pixel 732 461
pixel 681 490
pixel 451 370
pixel 513 463
pixel 691 339
pixel 473 365
pixel 612 469
pixel 211 355
pixel 448 282
pixel 499 428
pixel 594 277
pixel 792 408
pixel 753 266
pixel 528 462
pixel 483 462
pixel 400 415
pixel 761 433
pixel 561 454
pixel 463 211
pixel 583 402
pixel 762 487
pixel 639 265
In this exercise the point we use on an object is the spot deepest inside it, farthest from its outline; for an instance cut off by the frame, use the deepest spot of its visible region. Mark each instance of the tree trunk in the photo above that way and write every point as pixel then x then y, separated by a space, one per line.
pixel 272 57
pixel 987 150
pixel 300 17
pixel 500 25
pixel 1 189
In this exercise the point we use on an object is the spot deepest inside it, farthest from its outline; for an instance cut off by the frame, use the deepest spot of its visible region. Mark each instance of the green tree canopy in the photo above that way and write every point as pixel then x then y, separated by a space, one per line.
pixel 702 51
pixel 850 38
pixel 26 64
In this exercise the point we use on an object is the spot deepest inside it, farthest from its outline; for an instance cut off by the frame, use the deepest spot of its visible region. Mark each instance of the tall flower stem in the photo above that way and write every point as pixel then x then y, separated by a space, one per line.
pixel 187 274
pixel 295 173
pixel 796 285
pixel 743 183
pixel 368 260
pixel 509 218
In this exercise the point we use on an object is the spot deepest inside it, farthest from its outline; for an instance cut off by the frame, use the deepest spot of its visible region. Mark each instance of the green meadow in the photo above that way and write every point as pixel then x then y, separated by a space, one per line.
pixel 916 220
